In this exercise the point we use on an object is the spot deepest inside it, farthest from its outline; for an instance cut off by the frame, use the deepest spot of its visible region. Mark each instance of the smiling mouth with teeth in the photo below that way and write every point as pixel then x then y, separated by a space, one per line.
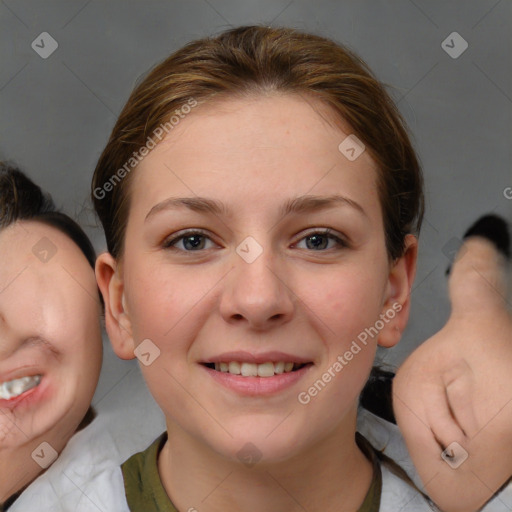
pixel 268 369
pixel 16 387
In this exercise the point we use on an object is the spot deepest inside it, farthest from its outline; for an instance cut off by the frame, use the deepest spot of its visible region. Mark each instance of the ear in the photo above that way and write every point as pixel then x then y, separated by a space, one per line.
pixel 117 319
pixel 397 302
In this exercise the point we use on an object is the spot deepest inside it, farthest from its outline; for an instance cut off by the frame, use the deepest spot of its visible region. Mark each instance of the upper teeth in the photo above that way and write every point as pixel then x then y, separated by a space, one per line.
pixel 16 387
pixel 255 370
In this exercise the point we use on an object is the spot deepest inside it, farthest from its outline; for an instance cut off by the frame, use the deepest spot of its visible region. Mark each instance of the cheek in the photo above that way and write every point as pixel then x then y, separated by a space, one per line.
pixel 76 334
pixel 346 301
pixel 346 308
pixel 165 304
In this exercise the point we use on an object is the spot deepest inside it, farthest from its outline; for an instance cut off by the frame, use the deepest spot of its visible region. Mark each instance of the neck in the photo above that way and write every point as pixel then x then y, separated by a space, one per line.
pixel 332 475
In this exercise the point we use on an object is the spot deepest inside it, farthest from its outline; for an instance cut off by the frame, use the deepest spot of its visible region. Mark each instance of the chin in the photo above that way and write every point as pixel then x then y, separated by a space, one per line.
pixel 258 447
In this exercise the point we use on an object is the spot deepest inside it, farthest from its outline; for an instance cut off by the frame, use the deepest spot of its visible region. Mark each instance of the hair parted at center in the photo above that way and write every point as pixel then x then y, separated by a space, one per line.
pixel 254 60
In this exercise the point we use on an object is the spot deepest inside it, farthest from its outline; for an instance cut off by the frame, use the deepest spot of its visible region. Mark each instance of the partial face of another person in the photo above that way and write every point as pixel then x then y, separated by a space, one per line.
pixel 272 265
pixel 50 335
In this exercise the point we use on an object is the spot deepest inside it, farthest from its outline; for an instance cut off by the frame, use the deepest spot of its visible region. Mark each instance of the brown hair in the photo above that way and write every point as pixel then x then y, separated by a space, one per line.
pixel 258 59
pixel 22 199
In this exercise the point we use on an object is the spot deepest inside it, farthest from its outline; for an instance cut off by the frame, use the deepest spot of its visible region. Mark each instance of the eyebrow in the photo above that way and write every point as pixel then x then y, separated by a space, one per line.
pixel 301 204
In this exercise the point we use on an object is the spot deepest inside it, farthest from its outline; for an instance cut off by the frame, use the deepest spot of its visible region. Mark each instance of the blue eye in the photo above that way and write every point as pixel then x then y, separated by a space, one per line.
pixel 319 240
pixel 195 240
pixel 191 241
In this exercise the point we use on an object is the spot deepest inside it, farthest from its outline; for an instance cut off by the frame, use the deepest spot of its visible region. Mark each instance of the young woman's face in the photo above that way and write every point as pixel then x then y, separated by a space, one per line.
pixel 226 262
pixel 50 335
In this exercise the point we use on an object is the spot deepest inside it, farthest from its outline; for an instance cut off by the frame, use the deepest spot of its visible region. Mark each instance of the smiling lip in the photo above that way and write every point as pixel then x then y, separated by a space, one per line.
pixel 264 357
pixel 28 398
pixel 257 386
pixel 24 369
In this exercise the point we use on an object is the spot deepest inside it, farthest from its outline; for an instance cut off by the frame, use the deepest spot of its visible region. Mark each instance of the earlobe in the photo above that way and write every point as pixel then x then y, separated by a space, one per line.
pixel 117 320
pixel 398 295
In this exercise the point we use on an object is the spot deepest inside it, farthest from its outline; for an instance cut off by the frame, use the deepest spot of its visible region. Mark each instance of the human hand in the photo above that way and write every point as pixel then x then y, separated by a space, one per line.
pixel 453 395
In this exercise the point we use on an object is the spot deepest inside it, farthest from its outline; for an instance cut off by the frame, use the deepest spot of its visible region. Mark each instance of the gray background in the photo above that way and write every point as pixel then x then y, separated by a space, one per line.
pixel 57 113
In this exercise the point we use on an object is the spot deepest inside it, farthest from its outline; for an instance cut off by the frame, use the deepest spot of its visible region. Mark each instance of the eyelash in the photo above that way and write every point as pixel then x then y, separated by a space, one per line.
pixel 170 242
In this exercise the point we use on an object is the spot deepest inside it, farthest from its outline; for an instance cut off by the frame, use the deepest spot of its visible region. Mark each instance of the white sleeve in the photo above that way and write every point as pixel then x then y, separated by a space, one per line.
pixel 86 477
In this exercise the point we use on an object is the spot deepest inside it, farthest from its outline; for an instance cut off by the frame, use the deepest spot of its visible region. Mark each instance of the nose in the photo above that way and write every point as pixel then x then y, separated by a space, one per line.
pixel 257 294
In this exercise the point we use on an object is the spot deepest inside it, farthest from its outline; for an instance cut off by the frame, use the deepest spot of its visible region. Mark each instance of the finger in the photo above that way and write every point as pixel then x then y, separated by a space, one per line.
pixel 440 417
pixel 460 392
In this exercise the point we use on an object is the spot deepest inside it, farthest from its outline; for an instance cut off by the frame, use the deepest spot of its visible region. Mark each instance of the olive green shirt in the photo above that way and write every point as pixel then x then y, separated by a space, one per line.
pixel 145 492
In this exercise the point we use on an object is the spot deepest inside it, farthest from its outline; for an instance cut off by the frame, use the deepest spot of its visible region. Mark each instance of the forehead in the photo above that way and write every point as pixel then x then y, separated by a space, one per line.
pixel 39 246
pixel 256 148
